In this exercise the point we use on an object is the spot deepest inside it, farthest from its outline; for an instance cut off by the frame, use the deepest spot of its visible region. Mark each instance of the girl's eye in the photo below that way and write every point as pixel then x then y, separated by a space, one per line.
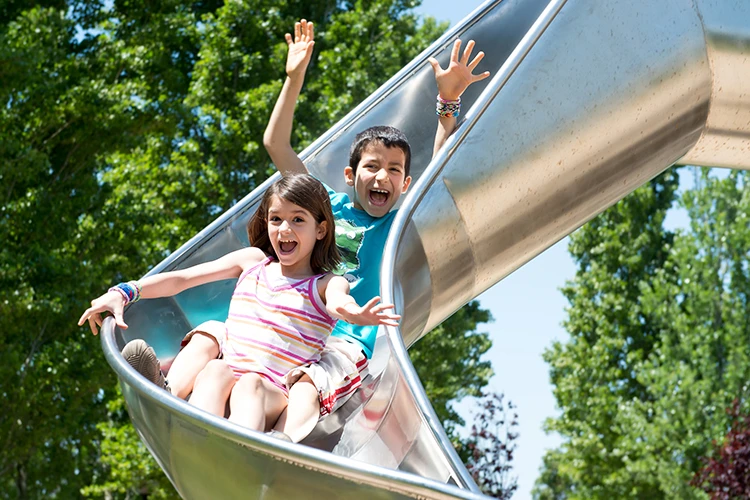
pixel 274 219
pixel 299 219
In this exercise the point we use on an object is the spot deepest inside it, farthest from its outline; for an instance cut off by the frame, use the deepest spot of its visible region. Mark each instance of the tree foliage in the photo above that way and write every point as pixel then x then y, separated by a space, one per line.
pixel 491 446
pixel 126 127
pixel 725 474
pixel 658 325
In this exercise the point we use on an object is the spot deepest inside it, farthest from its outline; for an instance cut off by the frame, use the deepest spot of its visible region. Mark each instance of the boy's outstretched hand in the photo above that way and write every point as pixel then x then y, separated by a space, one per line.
pixel 111 302
pixel 453 81
pixel 300 48
pixel 371 313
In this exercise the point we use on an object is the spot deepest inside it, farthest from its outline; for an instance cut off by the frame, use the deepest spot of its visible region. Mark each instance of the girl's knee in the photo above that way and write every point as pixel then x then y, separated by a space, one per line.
pixel 250 383
pixel 204 343
pixel 215 370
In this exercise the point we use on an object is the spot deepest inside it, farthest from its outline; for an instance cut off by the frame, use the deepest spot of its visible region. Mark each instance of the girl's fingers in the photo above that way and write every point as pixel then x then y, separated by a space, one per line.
pixel 288 38
pixel 311 31
pixel 475 61
pixel 435 65
pixel 296 31
pixel 92 325
pixel 371 303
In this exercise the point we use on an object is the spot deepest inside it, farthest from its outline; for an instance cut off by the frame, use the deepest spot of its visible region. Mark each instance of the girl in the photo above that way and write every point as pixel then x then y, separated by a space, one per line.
pixel 283 308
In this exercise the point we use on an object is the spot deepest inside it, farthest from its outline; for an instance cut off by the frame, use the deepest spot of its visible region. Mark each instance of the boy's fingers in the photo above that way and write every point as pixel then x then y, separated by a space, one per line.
pixel 288 38
pixel 476 60
pixel 481 76
pixel 456 50
pixel 467 52
pixel 435 64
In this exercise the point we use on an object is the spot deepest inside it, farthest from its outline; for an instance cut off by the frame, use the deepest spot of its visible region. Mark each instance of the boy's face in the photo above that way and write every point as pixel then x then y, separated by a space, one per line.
pixel 380 179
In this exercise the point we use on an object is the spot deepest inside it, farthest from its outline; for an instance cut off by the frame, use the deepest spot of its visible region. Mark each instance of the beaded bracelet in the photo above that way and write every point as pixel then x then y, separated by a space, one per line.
pixel 447 108
pixel 130 291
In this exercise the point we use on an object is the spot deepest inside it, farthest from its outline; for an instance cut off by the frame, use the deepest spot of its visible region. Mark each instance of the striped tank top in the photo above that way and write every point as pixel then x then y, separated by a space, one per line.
pixel 275 326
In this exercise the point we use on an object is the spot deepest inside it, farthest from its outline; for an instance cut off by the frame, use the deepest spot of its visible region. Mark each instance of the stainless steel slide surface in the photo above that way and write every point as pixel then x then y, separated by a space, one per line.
pixel 588 101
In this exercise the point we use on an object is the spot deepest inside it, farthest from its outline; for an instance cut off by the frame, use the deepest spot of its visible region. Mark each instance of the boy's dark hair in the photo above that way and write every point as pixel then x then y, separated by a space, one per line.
pixel 309 193
pixel 389 137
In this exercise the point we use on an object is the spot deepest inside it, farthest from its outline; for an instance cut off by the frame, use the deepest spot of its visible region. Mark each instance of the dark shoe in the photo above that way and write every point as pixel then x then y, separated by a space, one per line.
pixel 142 357
pixel 279 435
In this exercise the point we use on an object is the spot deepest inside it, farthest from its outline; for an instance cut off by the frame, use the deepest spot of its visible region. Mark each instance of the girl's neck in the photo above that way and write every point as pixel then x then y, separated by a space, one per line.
pixel 297 271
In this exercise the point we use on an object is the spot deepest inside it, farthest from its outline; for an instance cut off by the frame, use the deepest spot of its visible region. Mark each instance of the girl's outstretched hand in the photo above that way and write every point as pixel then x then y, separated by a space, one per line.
pixel 371 313
pixel 300 48
pixel 453 81
pixel 112 302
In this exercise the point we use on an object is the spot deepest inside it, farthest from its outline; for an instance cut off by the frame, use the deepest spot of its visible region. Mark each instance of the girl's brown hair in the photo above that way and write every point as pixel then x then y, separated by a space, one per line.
pixel 309 193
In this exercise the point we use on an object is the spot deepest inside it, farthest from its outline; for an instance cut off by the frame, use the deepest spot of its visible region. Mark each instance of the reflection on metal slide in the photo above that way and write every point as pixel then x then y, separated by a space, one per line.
pixel 588 101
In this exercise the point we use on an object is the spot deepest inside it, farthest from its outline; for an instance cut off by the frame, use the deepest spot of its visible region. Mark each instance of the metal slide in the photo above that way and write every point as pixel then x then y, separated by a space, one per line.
pixel 589 99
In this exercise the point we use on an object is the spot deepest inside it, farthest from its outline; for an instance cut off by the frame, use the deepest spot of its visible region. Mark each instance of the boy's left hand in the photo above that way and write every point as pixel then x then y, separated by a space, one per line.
pixel 371 313
pixel 300 48
pixel 453 81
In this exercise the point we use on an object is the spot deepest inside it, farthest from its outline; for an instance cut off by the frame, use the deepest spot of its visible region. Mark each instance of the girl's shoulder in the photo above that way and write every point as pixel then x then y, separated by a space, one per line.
pixel 325 280
pixel 250 256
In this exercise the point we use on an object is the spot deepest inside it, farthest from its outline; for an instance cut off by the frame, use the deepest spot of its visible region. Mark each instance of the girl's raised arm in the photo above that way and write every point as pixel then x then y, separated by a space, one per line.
pixel 341 305
pixel 171 283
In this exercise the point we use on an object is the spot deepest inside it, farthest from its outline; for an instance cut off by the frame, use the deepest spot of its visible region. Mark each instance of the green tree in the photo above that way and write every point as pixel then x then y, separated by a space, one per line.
pixel 658 343
pixel 126 127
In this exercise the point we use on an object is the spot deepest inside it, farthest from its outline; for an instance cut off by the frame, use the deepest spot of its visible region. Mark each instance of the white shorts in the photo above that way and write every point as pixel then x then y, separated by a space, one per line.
pixel 337 375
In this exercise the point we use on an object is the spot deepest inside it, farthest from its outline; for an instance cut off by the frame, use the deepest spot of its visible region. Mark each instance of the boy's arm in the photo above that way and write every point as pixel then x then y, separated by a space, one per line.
pixel 278 134
pixel 452 82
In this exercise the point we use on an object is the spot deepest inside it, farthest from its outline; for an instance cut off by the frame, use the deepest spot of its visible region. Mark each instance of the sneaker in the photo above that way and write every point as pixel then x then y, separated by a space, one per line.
pixel 142 357
pixel 279 435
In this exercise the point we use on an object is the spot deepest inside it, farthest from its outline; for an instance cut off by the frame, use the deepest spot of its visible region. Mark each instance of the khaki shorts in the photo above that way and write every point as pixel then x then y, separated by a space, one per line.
pixel 337 375
pixel 217 330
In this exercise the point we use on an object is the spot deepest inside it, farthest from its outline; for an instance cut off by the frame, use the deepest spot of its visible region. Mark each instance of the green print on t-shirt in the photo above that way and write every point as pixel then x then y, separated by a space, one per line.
pixel 349 238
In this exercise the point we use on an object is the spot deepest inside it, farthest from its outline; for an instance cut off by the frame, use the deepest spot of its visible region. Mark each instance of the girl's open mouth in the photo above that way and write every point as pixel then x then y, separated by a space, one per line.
pixel 287 247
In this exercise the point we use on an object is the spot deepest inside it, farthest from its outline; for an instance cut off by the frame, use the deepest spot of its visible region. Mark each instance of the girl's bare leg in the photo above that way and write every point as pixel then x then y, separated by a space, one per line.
pixel 299 418
pixel 189 362
pixel 212 387
pixel 256 403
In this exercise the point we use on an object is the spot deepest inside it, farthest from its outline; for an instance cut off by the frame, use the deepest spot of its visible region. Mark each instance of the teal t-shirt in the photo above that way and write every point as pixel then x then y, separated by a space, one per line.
pixel 361 241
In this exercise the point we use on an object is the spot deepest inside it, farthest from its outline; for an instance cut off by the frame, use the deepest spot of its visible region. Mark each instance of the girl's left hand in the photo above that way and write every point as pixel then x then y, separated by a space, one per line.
pixel 371 313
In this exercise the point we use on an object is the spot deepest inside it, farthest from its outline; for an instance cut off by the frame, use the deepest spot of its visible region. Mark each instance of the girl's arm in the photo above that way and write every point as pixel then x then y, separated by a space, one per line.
pixel 172 283
pixel 341 305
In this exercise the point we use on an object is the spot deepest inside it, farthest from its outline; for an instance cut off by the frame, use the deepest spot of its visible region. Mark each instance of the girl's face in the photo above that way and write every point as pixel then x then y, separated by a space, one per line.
pixel 293 232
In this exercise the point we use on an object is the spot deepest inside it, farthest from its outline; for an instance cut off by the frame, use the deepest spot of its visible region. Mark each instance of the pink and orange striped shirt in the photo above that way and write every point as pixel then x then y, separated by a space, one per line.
pixel 275 326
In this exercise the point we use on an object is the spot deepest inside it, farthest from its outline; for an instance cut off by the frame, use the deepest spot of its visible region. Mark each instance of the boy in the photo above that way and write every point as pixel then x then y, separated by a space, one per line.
pixel 378 171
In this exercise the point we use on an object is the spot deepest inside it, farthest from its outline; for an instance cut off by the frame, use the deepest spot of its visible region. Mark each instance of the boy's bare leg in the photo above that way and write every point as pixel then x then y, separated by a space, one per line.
pixel 213 385
pixel 189 362
pixel 255 402
pixel 300 417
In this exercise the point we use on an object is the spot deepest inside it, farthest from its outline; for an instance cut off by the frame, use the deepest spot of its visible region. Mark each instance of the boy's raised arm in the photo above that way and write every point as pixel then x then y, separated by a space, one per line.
pixel 451 83
pixel 277 137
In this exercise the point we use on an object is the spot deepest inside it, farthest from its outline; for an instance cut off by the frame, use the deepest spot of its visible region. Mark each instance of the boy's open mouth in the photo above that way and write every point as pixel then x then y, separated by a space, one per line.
pixel 379 197
pixel 287 246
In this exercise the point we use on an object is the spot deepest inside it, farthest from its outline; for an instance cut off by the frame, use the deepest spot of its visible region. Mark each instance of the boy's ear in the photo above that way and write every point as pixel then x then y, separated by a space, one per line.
pixel 322 230
pixel 349 174
pixel 407 183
